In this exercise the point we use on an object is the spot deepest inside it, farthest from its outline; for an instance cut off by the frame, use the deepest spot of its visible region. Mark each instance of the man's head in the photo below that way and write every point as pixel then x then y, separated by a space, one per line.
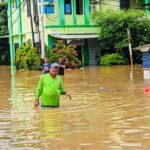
pixel 54 69
pixel 46 60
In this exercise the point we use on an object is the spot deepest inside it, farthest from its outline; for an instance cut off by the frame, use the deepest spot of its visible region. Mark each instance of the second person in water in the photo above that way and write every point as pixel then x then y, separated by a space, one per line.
pixel 46 66
pixel 61 64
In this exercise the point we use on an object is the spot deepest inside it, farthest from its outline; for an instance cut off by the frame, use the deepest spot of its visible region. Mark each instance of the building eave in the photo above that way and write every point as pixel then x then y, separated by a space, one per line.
pixel 75 36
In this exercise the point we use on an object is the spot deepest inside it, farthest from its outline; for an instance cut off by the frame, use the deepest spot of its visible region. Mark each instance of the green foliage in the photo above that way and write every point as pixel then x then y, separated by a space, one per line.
pixel 4 52
pixel 112 59
pixel 3 20
pixel 27 57
pixel 113 27
pixel 68 53
pixel 4 42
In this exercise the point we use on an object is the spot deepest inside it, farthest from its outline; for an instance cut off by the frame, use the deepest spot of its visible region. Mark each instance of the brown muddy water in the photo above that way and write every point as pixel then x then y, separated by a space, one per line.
pixel 108 111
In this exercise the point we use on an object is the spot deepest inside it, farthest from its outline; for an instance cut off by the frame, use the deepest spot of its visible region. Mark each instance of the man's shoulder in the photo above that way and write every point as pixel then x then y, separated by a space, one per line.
pixel 44 75
pixel 59 77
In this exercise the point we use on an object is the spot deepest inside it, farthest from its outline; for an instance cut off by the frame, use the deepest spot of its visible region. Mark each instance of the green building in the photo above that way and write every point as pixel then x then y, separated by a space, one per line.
pixel 68 20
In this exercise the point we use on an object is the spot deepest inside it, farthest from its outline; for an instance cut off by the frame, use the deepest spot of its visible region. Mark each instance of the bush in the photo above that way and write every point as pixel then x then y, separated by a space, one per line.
pixel 68 53
pixel 27 57
pixel 112 59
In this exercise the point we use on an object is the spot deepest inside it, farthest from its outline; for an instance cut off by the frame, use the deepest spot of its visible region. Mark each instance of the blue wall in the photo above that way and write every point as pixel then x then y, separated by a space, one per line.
pixel 146 59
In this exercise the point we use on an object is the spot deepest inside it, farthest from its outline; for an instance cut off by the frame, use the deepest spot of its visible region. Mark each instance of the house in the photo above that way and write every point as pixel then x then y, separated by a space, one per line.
pixel 68 20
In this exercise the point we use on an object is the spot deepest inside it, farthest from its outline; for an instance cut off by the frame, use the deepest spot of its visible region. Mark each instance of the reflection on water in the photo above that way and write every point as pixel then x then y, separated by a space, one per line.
pixel 108 111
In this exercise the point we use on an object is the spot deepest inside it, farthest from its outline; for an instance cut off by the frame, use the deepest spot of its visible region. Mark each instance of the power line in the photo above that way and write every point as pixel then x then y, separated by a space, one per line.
pixel 16 8
pixel 19 13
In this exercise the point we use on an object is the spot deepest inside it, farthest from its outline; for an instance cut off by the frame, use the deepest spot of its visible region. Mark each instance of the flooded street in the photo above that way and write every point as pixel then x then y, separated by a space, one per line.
pixel 108 111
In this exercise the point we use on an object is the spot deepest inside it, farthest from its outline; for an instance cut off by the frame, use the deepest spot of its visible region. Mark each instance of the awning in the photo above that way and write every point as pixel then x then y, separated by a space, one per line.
pixel 75 36
pixel 4 36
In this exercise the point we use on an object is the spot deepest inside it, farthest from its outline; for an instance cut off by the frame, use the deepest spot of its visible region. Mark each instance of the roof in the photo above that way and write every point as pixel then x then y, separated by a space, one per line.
pixel 75 36
pixel 144 48
pixel 4 36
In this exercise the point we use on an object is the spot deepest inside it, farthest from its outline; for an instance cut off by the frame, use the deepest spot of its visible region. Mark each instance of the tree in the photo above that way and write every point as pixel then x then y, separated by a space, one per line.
pixel 113 25
pixel 27 57
pixel 4 42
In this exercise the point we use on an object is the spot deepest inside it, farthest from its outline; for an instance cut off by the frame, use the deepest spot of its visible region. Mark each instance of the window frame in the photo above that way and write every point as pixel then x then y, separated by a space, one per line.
pixel 124 4
pixel 67 13
pixel 80 8
pixel 45 9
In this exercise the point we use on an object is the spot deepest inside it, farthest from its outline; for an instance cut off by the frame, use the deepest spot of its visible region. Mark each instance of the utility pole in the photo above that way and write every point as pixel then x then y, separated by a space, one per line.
pixel 42 31
pixel 36 22
pixel 130 48
pixel 30 13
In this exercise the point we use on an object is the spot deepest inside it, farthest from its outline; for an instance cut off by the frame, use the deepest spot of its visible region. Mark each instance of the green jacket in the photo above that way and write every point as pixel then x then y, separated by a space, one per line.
pixel 50 89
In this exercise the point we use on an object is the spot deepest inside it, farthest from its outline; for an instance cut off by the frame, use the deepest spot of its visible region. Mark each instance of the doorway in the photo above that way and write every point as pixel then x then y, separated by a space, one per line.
pixel 79 52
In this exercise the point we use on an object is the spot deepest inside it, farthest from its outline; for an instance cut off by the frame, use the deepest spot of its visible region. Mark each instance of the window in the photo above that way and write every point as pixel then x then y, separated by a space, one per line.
pixel 79 7
pixel 16 45
pixel 68 7
pixel 124 4
pixel 48 9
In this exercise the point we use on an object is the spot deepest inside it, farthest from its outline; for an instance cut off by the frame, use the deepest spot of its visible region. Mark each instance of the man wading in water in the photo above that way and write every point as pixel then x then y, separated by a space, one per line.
pixel 50 87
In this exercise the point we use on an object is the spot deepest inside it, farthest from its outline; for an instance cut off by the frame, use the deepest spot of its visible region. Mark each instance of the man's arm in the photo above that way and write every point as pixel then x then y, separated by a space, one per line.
pixel 39 91
pixel 63 91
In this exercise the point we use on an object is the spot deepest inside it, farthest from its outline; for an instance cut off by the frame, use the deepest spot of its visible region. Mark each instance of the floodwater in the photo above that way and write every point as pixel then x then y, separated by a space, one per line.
pixel 108 111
